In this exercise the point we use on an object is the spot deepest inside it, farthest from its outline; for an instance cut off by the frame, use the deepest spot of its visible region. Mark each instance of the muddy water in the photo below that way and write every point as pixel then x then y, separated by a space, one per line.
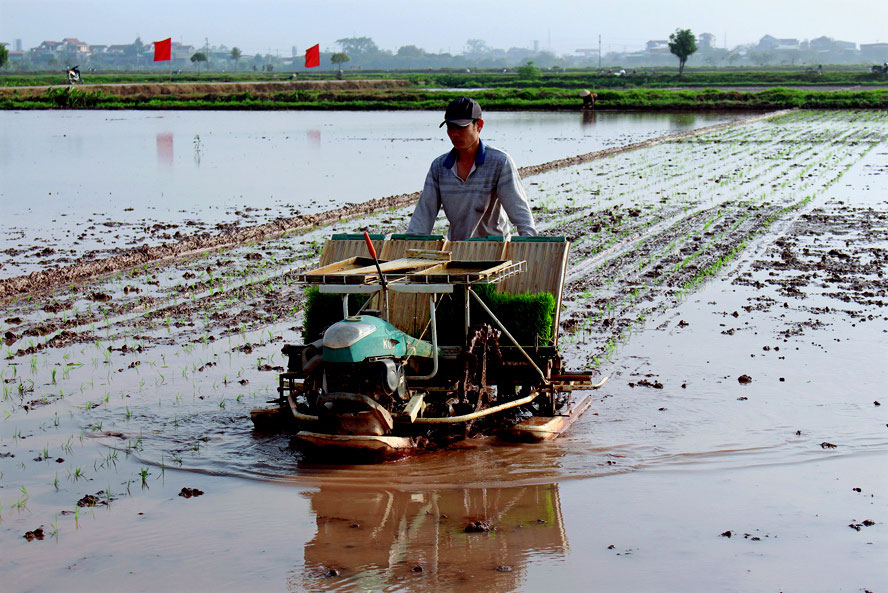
pixel 674 452
pixel 75 183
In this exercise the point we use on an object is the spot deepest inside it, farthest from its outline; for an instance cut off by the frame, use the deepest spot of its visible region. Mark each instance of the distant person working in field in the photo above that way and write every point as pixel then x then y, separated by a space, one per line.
pixel 477 185
pixel 588 98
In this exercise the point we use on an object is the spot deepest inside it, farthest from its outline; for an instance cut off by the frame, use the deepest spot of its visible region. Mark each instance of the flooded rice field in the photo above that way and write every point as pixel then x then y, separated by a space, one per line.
pixel 732 284
pixel 77 184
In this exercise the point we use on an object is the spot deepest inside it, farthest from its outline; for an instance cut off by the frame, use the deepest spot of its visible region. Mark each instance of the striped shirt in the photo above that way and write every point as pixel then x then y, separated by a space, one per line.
pixel 482 205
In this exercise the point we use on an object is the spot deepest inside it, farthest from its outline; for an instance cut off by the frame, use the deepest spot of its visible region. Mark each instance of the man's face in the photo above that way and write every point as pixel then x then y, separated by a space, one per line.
pixel 467 137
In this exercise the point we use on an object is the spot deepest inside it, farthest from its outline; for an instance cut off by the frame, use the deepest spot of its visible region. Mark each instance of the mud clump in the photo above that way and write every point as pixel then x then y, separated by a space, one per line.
pixel 479 527
pixel 190 492
pixel 90 500
pixel 36 534
pixel 744 379
pixel 94 500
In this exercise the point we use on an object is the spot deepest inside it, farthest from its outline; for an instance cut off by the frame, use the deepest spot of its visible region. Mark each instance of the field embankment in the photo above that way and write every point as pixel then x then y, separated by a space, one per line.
pixel 398 95
pixel 606 78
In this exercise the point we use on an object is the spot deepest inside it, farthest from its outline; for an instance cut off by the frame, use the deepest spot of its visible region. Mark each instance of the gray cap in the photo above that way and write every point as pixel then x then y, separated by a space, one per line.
pixel 461 112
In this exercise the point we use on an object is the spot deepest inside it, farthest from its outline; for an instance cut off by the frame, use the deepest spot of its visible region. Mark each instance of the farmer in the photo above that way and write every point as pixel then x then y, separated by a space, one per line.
pixel 588 99
pixel 476 184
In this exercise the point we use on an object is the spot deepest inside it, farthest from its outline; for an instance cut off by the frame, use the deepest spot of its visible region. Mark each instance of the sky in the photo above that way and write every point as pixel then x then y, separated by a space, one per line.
pixel 275 26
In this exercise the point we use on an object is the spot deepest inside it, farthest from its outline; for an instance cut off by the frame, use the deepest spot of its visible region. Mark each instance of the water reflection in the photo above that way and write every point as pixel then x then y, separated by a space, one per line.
pixel 251 159
pixel 383 540
pixel 682 120
pixel 588 117
pixel 164 141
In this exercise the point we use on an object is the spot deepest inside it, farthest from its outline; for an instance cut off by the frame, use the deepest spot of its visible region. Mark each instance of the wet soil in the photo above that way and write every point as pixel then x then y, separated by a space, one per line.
pixel 231 235
pixel 752 251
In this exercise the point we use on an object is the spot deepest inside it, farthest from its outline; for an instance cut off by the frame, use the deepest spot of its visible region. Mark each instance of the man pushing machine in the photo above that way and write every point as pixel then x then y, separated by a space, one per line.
pixel 476 184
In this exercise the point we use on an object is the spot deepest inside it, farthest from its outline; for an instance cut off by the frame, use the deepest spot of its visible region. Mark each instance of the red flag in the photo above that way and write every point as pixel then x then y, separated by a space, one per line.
pixel 162 50
pixel 313 56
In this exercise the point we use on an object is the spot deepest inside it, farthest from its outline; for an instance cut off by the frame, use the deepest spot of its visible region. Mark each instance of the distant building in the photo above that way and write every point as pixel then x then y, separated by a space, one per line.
pixel 47 48
pixel 877 52
pixel 707 41
pixel 180 52
pixel 768 43
pixel 118 49
pixel 657 47
pixel 72 45
pixel 827 44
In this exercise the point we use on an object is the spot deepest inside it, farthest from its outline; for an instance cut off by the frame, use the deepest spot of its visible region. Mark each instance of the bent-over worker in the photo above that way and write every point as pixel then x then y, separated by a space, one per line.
pixel 476 184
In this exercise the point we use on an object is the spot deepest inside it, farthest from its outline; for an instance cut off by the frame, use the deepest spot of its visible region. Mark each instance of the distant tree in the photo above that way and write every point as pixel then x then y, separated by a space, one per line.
pixel 476 47
pixel 339 59
pixel 137 48
pixel 761 57
pixel 4 55
pixel 528 71
pixel 411 51
pixel 682 44
pixel 235 55
pixel 197 58
pixel 792 56
pixel 358 46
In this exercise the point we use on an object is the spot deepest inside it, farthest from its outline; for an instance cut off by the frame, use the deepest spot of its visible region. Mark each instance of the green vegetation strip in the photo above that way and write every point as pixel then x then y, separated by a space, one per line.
pixel 527 316
pixel 417 99
pixel 579 78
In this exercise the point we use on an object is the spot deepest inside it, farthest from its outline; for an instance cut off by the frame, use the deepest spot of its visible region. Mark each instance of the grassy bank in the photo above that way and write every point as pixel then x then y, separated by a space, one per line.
pixel 221 98
pixel 575 79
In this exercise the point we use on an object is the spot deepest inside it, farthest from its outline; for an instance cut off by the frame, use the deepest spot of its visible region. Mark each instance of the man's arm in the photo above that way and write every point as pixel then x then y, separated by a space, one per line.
pixel 427 207
pixel 511 193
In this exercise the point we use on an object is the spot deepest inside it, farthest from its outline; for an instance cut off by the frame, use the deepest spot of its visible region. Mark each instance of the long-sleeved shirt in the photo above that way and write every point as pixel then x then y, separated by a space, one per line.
pixel 480 206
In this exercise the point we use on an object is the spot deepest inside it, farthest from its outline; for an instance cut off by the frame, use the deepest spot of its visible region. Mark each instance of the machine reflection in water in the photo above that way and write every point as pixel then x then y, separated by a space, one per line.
pixel 384 540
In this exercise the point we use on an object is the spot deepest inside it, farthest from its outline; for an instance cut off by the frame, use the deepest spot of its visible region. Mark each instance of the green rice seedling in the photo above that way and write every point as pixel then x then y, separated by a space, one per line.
pixel 144 473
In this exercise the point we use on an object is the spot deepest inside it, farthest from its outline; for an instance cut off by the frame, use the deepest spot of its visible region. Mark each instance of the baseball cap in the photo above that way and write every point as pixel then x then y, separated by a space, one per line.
pixel 461 112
